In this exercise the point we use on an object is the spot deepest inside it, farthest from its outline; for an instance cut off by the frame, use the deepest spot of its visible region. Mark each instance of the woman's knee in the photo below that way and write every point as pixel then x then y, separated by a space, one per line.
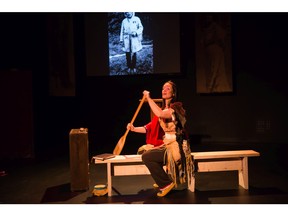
pixel 144 157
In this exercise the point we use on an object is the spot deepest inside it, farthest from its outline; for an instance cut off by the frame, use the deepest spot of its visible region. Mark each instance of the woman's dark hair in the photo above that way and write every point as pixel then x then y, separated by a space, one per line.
pixel 174 92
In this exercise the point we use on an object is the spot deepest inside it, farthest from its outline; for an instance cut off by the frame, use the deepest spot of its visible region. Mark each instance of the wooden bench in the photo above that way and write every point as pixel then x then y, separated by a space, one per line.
pixel 126 165
pixel 224 161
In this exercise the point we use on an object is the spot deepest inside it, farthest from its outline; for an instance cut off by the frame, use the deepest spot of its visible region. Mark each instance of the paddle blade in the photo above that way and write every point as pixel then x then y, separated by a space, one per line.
pixel 118 148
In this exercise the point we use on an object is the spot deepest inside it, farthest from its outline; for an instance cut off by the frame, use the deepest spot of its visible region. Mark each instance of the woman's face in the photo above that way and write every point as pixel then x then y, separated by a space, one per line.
pixel 167 91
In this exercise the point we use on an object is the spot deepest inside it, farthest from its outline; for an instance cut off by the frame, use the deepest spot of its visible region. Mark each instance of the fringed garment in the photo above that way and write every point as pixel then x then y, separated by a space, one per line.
pixel 177 158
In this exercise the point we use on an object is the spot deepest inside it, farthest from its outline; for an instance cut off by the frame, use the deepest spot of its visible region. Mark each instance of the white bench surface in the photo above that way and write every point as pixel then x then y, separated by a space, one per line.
pixel 224 154
pixel 196 156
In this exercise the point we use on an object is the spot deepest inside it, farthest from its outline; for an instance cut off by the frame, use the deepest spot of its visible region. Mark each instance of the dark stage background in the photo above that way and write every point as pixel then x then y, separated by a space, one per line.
pixel 36 123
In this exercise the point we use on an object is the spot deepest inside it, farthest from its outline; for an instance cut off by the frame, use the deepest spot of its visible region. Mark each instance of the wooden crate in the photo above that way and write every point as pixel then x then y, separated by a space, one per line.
pixel 79 159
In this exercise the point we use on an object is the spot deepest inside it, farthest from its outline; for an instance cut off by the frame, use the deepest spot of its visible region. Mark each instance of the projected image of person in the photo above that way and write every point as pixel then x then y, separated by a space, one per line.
pixel 131 37
pixel 132 43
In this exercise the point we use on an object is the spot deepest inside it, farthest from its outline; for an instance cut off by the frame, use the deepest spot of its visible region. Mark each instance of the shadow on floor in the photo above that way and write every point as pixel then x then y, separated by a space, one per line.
pixel 235 196
pixel 59 193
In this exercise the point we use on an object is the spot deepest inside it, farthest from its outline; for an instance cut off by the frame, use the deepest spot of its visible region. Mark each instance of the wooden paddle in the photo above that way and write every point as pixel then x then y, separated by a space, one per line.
pixel 118 148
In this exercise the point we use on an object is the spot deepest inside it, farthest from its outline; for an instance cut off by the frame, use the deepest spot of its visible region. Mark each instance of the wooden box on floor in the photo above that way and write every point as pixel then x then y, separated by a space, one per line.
pixel 79 159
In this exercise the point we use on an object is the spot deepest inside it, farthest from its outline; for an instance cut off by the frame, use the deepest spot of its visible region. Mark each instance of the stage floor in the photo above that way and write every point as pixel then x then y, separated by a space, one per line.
pixel 47 181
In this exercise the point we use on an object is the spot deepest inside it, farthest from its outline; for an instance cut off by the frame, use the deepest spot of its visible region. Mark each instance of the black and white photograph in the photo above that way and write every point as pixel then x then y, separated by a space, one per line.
pixel 130 43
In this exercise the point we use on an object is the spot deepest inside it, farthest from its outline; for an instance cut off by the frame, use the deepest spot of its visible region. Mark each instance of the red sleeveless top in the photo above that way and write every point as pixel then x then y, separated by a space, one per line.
pixel 154 132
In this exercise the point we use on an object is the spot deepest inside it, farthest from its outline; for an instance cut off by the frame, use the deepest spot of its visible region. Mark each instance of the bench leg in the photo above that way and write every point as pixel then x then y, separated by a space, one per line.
pixel 109 179
pixel 243 174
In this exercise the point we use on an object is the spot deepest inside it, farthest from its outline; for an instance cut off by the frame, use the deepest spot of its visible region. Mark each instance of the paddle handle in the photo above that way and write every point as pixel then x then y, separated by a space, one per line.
pixel 119 146
pixel 136 113
pixel 138 109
